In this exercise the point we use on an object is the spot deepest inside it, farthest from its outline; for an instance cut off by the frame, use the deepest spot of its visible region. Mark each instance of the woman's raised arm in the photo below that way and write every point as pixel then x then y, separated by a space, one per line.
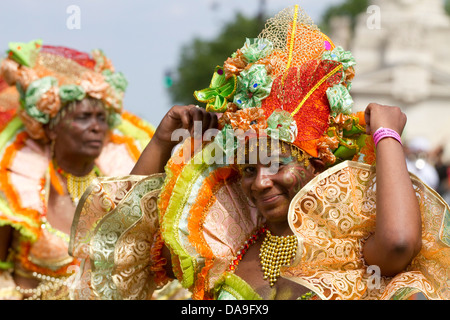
pixel 397 237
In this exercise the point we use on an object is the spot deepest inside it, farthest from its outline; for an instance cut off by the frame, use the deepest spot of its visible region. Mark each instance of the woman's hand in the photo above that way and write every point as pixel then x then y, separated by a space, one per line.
pixel 377 115
pixel 183 117
pixel 158 151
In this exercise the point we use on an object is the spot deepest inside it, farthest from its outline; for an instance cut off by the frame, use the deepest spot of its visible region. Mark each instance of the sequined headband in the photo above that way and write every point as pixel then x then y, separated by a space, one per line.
pixel 292 83
pixel 47 78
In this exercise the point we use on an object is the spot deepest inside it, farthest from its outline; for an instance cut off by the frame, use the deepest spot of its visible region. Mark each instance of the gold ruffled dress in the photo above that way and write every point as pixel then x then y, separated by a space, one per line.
pixel 199 212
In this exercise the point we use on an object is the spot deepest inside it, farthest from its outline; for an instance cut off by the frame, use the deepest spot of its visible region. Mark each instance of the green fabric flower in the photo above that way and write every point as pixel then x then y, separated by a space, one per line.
pixel 116 80
pixel 253 86
pixel 226 139
pixel 282 125
pixel 25 53
pixel 71 92
pixel 340 100
pixel 33 94
pixel 340 55
pixel 256 49
pixel 219 92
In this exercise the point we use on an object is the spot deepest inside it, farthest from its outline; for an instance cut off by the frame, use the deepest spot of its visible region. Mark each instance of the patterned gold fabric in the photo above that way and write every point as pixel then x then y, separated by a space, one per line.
pixel 107 218
pixel 334 214
pixel 116 231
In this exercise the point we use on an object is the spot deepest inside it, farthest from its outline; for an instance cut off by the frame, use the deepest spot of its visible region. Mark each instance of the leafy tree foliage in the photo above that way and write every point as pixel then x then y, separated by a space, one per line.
pixel 350 8
pixel 199 58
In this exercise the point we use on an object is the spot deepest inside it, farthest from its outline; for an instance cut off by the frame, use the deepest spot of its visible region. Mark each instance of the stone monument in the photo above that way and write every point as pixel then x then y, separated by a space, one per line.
pixel 402 50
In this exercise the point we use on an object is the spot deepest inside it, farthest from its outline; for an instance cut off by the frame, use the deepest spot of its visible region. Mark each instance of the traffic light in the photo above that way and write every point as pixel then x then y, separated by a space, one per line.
pixel 168 79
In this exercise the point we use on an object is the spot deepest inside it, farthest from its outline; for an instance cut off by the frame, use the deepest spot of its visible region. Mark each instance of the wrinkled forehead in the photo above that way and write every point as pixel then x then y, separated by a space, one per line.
pixel 88 104
pixel 77 107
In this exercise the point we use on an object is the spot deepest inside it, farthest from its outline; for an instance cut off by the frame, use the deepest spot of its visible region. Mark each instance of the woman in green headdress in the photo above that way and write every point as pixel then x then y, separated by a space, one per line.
pixel 64 127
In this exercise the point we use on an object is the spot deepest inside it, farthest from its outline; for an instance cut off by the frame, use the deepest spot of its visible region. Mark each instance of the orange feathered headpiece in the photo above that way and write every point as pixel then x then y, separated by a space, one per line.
pixel 291 82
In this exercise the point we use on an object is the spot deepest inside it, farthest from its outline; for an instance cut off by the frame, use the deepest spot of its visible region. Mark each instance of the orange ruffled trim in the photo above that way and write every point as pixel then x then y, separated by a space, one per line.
pixel 129 143
pixel 55 180
pixel 138 122
pixel 11 193
pixel 159 262
pixel 173 171
pixel 22 258
pixel 206 197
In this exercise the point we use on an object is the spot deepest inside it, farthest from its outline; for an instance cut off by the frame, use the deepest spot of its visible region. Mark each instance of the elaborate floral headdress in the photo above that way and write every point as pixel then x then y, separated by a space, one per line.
pixel 48 78
pixel 292 83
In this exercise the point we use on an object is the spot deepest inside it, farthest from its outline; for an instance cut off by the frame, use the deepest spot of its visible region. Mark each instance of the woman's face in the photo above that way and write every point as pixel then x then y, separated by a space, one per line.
pixel 82 131
pixel 272 192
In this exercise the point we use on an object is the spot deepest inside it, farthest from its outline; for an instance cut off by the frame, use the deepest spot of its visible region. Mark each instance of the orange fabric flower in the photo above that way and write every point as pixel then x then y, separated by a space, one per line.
pixel 34 127
pixel 26 76
pixel 369 151
pixel 50 102
pixel 9 70
pixel 234 65
pixel 245 119
pixel 324 147
pixel 102 62
pixel 94 84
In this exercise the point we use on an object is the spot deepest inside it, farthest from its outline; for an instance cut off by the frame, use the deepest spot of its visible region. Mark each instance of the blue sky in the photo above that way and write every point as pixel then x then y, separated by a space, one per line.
pixel 143 38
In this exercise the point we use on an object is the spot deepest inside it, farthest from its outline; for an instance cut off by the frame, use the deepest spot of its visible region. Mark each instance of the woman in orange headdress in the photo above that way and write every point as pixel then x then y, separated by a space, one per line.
pixel 62 127
pixel 332 214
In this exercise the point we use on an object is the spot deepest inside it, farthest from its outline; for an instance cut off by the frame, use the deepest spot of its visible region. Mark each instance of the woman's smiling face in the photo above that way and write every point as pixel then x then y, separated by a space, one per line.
pixel 272 192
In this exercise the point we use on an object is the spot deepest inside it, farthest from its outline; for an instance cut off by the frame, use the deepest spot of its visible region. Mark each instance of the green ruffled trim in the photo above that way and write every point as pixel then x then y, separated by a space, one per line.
pixel 6 265
pixel 171 220
pixel 233 287
pixel 24 231
pixel 9 131
pixel 127 128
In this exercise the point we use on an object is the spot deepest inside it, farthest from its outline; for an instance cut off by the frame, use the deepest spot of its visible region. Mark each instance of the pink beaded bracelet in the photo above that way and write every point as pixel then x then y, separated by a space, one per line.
pixel 382 133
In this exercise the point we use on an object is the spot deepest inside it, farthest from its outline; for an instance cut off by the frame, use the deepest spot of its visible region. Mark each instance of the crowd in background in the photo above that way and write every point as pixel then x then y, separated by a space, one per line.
pixel 429 165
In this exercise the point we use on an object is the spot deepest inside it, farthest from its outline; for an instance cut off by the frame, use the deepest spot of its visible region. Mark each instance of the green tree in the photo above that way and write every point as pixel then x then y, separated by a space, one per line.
pixel 199 58
pixel 447 6
pixel 349 8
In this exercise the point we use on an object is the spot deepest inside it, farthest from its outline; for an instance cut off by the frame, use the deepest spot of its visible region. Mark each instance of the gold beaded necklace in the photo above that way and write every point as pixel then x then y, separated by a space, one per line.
pixel 276 251
pixel 77 185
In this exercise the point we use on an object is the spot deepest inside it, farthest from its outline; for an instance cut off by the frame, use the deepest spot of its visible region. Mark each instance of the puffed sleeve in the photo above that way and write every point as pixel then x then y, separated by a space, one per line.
pixel 332 217
pixel 115 234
